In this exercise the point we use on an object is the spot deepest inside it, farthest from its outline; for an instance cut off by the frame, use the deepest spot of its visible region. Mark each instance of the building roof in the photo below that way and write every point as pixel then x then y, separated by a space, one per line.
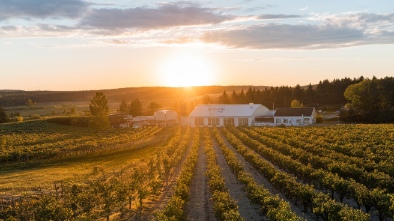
pixel 294 112
pixel 227 110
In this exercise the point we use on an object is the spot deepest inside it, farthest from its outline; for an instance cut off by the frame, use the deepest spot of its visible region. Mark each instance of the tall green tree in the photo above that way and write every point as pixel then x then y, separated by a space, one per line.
pixel 224 98
pixel 99 105
pixel 123 108
pixel 372 94
pixel 206 99
pixel 3 115
pixel 135 107
pixel 99 109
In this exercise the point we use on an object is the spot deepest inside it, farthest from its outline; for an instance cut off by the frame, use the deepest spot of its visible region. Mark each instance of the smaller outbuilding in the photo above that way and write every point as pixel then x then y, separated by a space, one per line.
pixel 160 118
pixel 166 117
pixel 119 120
pixel 298 116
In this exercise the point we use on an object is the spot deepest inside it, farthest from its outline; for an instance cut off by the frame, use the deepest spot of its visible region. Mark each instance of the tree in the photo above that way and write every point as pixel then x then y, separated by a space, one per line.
pixel 298 93
pixel 99 105
pixel 224 99
pixel 3 115
pixel 206 99
pixel 30 103
pixel 371 95
pixel 309 95
pixel 99 109
pixel 152 107
pixel 135 107
pixel 296 103
pixel 123 108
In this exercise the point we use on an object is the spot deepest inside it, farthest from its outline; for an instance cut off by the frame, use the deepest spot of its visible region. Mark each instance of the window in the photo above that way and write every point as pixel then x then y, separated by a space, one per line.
pixel 213 121
pixel 242 121
pixel 307 120
pixel 285 121
pixel 298 121
pixel 228 121
pixel 278 121
pixel 199 121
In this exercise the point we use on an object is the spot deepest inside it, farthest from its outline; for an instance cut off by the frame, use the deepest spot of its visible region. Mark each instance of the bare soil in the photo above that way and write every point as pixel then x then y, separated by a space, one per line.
pixel 247 210
pixel 261 180
pixel 200 207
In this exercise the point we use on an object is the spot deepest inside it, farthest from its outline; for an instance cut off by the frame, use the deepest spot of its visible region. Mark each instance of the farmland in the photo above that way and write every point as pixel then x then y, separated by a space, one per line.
pixel 58 172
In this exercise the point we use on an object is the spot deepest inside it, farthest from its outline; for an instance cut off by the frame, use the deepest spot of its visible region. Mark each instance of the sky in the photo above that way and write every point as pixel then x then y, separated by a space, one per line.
pixel 103 44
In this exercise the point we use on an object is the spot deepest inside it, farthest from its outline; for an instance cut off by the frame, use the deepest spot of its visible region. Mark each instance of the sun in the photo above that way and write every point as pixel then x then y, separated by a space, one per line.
pixel 184 70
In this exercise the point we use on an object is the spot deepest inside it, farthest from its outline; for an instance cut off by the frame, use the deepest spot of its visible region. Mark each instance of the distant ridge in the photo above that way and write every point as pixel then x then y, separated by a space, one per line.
pixel 9 90
pixel 162 95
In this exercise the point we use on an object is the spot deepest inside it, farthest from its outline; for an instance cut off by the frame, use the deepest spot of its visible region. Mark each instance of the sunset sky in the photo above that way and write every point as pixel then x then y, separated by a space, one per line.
pixel 104 44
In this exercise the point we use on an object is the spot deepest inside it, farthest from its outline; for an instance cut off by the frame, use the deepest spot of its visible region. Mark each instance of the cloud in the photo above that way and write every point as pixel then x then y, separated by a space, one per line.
pixel 285 36
pixel 356 20
pixel 277 16
pixel 165 16
pixel 333 31
pixel 28 9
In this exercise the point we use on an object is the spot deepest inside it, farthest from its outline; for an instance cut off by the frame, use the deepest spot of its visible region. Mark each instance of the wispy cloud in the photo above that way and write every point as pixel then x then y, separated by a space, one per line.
pixel 284 36
pixel 27 9
pixel 277 16
pixel 165 16
pixel 333 32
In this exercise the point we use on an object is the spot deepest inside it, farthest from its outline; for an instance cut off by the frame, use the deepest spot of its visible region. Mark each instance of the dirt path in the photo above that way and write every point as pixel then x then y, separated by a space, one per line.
pixel 261 180
pixel 200 207
pixel 247 210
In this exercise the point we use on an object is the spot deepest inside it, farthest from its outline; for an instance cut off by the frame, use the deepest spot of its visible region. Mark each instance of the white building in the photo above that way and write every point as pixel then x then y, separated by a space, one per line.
pixel 295 116
pixel 160 118
pixel 227 114
pixel 166 117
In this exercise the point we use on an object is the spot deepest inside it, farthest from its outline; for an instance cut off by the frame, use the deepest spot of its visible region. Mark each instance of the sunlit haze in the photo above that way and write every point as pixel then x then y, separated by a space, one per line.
pixel 186 69
pixel 82 45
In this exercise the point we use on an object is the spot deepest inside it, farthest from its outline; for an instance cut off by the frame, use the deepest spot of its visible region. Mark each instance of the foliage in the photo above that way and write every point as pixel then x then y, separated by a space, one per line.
pixel 319 168
pixel 224 98
pixel 372 94
pixel 73 121
pixel 99 105
pixel 174 208
pixel 99 109
pixel 135 107
pixel 274 207
pixel 152 107
pixel 3 115
pixel 283 180
pixel 30 103
pixel 225 206
pixel 103 196
pixel 123 108
pixel 37 140
pixel 296 103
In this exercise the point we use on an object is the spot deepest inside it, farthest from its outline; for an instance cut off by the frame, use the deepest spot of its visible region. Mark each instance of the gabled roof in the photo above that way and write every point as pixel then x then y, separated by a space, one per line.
pixel 294 112
pixel 226 110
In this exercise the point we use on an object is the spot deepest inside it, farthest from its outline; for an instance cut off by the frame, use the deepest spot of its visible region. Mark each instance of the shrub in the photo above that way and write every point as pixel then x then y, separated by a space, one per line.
pixel 73 121
pixel 35 117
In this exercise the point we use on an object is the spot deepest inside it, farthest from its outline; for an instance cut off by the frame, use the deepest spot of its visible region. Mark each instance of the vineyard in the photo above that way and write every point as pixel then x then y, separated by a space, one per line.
pixel 342 172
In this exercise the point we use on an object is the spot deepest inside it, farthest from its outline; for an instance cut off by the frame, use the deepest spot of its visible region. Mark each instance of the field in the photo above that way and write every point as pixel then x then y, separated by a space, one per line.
pixel 57 172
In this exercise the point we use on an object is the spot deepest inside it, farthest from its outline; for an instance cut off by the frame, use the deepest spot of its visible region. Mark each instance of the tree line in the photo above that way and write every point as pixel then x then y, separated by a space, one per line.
pixel 325 93
pixel 371 101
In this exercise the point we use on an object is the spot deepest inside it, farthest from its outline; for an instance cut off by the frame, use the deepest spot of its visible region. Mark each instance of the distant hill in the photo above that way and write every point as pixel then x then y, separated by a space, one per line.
pixel 161 95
